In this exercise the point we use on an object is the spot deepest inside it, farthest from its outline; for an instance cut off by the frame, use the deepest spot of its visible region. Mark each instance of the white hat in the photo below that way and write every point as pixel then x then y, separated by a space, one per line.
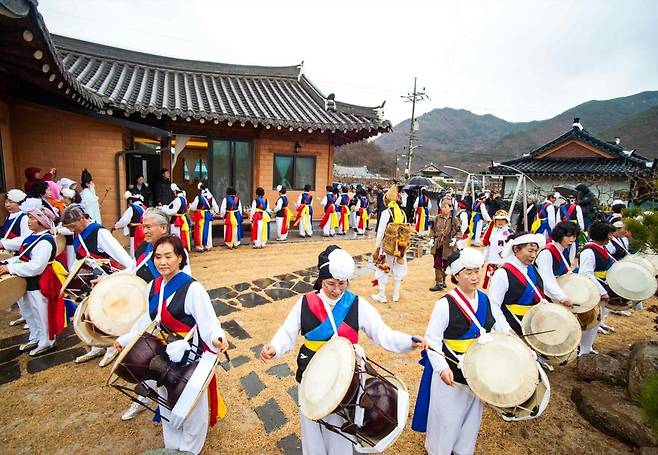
pixel 557 195
pixel 539 239
pixel 130 195
pixel 469 258
pixel 68 193
pixel 339 263
pixel 65 182
pixel 279 187
pixel 31 203
pixel 16 195
pixel 618 202
pixel 618 224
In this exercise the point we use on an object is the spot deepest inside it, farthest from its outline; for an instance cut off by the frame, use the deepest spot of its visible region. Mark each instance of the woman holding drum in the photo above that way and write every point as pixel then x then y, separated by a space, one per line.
pixel 446 408
pixel 181 305
pixel 329 311
pixel 556 259
pixel 41 306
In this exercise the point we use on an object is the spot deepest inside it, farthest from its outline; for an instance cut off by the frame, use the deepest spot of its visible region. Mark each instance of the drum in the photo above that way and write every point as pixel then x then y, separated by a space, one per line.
pixel 144 359
pixel 631 281
pixel 116 302
pixel 12 288
pixel 641 260
pixel 4 255
pixel 77 285
pixel 341 379
pixel 590 319
pixel 86 330
pixel 535 405
pixel 60 242
pixel 501 370
pixel 561 329
pixel 582 291
pixel 652 258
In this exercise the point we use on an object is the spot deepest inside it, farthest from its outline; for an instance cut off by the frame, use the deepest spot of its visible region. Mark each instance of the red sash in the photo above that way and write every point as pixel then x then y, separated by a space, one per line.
pixel 316 306
pixel 600 249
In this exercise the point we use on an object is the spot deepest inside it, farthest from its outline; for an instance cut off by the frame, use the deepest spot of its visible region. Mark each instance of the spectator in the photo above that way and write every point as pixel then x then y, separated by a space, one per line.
pixel 33 175
pixel 162 193
pixel 139 186
pixel 89 199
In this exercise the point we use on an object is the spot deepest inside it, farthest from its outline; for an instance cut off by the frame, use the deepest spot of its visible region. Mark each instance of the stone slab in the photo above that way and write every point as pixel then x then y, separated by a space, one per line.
pixel 294 393
pixel 271 415
pixel 9 371
pixel 252 299
pixel 235 330
pixel 222 309
pixel 56 358
pixel 279 294
pixel 280 371
pixel 262 283
pixel 240 287
pixel 302 288
pixel 252 384
pixel 14 340
pixel 290 445
pixel 239 361
pixel 9 354
pixel 256 350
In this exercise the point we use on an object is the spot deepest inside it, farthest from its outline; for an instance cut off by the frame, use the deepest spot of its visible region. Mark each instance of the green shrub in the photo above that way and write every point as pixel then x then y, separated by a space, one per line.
pixel 649 401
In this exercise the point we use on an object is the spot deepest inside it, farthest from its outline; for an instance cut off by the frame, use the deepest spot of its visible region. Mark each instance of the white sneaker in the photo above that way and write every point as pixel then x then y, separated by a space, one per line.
pixel 396 298
pixel 607 327
pixel 90 355
pixel 381 298
pixel 132 411
pixel 27 346
pixel 17 321
pixel 109 356
pixel 41 349
pixel 603 331
pixel 622 312
pixel 639 306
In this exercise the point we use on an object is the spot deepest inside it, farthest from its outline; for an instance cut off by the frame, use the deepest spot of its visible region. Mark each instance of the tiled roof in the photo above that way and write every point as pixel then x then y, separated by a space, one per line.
pixel 623 163
pixel 141 83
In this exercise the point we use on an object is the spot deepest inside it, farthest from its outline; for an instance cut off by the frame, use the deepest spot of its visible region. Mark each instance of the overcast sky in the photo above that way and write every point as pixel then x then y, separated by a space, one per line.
pixel 518 60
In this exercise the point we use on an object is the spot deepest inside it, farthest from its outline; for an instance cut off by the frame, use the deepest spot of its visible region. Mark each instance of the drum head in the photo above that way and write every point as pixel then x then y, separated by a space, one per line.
pixel 581 290
pixel 116 302
pixel 195 388
pixel 652 258
pixel 12 288
pixel 631 281
pixel 566 333
pixel 4 255
pixel 641 260
pixel 327 378
pixel 501 372
pixel 86 331
pixel 534 406
pixel 60 242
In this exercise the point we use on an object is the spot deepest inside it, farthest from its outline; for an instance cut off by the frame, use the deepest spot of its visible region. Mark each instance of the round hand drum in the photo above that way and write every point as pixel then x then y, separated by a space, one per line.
pixel 116 302
pixel 12 288
pixel 501 370
pixel 631 280
pixel 562 330
pixel 582 291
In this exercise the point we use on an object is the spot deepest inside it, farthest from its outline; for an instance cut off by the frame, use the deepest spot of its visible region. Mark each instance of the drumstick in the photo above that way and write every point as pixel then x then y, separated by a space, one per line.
pixel 417 340
pixel 537 333
pixel 225 352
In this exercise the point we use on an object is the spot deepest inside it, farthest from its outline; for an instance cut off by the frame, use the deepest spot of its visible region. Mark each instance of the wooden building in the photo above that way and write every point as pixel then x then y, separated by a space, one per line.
pixel 577 156
pixel 72 104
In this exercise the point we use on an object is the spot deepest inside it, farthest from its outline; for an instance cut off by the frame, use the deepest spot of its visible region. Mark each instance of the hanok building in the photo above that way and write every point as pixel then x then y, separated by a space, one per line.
pixel 433 171
pixel 576 157
pixel 72 104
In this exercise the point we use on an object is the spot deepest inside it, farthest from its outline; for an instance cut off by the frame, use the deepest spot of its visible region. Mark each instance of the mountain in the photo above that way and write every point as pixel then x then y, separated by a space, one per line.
pixel 459 137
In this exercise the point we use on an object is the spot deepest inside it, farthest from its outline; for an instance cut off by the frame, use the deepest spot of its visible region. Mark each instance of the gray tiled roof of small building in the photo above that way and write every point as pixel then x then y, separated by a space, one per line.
pixel 149 84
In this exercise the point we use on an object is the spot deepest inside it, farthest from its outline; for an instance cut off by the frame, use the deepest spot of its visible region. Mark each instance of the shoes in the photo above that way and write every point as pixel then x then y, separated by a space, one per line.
pixel 302 235
pixel 134 409
pixel 109 356
pixel 396 298
pixel 198 249
pixel 381 298
pixel 437 287
pixel 603 331
pixel 25 327
pixel 17 321
pixel 622 312
pixel 27 346
pixel 41 349
pixel 607 327
pixel 90 355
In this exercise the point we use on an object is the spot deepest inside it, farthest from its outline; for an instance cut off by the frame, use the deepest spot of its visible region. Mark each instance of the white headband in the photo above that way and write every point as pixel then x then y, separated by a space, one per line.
pixel 539 239
pixel 469 258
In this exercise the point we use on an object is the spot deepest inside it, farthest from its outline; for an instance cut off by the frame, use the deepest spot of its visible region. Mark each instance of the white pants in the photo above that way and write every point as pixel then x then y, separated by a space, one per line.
pixel 234 241
pixel 453 422
pixel 279 228
pixel 587 340
pixel 477 239
pixel 132 247
pixel 305 226
pixel 399 271
pixel 353 220
pixel 318 440
pixel 327 230
pixel 258 226
pixel 192 434
pixel 34 308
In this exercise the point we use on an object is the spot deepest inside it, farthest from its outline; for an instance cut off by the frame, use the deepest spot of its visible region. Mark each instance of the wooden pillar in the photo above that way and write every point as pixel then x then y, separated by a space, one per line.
pixel 165 153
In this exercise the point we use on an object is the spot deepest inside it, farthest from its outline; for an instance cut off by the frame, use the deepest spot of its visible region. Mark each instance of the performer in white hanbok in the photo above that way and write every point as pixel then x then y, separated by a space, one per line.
pixel 203 207
pixel 494 240
pixel 446 408
pixel 546 216
pixel 310 318
pixel 574 213
pixel 132 220
pixel 462 217
pixel 479 217
pixel 177 211
pixel 91 240
pixel 304 217
pixel 260 219
pixel 283 214
pixel 329 221
pixel 390 264
pixel 181 304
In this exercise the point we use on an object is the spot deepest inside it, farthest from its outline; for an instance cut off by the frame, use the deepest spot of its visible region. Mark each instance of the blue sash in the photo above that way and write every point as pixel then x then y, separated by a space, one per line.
pixel 93 227
pixel 170 289
pixel 325 331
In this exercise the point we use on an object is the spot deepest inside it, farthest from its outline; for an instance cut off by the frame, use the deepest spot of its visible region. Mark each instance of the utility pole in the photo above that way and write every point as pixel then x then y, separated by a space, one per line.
pixel 413 127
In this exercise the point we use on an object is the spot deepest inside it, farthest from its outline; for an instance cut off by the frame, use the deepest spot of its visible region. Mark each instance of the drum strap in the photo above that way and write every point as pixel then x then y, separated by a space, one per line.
pixel 465 308
pixel 11 226
pixel 30 247
pixel 542 299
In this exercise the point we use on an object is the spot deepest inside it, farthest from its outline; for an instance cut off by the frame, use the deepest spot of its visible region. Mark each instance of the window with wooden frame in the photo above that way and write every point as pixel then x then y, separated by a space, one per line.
pixel 293 171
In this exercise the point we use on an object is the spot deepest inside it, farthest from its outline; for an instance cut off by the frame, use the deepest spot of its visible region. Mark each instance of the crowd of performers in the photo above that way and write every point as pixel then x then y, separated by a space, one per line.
pixel 521 272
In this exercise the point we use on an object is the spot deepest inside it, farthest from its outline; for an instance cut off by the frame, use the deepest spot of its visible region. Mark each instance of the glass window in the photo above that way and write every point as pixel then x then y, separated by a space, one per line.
pixel 294 171
pixel 231 165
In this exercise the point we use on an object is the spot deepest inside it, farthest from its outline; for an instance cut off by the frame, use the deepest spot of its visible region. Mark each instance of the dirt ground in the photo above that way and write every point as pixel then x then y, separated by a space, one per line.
pixel 69 409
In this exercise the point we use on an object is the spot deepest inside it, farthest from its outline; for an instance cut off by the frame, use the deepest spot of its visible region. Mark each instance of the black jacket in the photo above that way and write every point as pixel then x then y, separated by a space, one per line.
pixel 162 192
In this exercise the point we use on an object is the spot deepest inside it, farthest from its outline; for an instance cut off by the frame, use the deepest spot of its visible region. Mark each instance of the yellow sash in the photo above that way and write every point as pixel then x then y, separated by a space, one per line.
pixel 602 274
pixel 314 345
pixel 519 310
pixel 398 216
pixel 459 346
